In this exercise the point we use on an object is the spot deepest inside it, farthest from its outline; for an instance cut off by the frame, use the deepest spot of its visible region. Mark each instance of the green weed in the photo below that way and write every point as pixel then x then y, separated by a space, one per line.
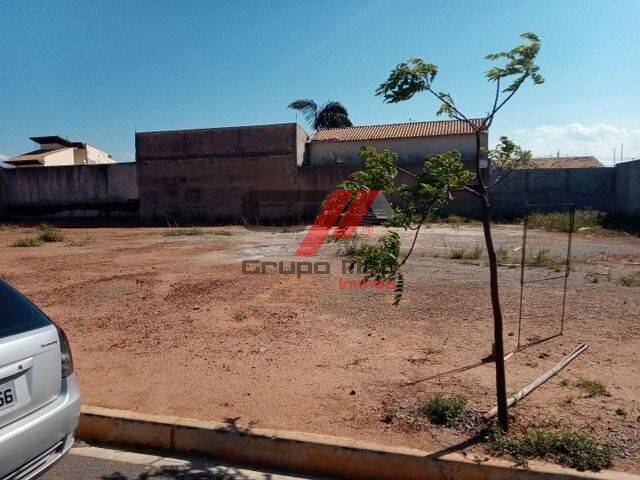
pixel 562 445
pixel 49 233
pixel 444 410
pixel 592 387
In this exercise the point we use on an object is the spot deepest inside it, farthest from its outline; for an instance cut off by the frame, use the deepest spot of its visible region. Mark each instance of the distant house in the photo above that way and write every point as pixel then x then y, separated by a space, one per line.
pixel 565 162
pixel 57 151
pixel 412 142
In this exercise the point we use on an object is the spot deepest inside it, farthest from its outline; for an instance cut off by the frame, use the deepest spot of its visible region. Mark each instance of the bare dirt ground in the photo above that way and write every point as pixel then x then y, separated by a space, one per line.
pixel 170 325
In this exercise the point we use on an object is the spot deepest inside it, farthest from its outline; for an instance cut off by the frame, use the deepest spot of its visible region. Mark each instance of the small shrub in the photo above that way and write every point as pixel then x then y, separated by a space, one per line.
pixel 49 233
pixel 630 280
pixel 621 412
pixel 592 387
pixel 444 410
pixel 474 254
pixel 503 256
pixel 28 242
pixel 457 253
pixel 542 259
pixel 183 232
pixel 564 446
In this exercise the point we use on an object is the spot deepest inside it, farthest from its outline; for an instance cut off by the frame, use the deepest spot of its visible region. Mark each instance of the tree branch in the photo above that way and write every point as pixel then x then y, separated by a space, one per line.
pixel 511 94
pixel 489 119
pixel 461 116
pixel 500 178
pixel 406 172
pixel 415 238
pixel 471 190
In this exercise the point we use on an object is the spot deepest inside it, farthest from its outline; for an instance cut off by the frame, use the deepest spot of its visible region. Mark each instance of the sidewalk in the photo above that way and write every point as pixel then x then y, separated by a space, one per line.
pixel 92 463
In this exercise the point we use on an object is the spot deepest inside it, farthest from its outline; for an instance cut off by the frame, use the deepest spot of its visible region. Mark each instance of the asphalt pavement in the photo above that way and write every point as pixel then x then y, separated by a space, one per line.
pixel 91 463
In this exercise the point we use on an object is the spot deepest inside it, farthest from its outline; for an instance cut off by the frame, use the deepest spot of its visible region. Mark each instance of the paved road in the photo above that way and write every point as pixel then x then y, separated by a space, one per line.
pixel 90 463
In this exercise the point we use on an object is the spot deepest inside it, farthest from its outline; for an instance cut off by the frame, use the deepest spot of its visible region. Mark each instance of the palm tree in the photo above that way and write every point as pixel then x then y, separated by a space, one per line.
pixel 329 115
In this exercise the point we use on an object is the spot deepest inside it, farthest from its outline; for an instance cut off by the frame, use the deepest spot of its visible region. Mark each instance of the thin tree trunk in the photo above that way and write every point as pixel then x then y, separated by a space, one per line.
pixel 501 381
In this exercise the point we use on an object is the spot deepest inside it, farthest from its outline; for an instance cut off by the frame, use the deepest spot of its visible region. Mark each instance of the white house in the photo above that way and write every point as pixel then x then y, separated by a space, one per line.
pixel 411 141
pixel 58 151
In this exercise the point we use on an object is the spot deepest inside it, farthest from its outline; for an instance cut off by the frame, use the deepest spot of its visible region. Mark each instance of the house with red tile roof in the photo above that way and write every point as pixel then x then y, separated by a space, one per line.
pixel 412 142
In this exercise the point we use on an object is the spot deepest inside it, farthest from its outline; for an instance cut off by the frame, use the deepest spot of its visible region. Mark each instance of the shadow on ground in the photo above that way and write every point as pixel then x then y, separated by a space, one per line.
pixel 192 472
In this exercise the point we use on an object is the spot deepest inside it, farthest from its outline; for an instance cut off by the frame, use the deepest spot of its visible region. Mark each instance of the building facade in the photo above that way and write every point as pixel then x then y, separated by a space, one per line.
pixel 271 172
pixel 56 151
pixel 412 142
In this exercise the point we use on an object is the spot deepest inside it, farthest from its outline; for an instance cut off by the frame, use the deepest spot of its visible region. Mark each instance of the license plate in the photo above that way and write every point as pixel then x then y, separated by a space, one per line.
pixel 7 395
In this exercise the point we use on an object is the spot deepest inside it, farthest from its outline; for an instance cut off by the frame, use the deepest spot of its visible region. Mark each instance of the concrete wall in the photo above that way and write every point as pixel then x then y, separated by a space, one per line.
pixel 264 172
pixel 55 189
pixel 627 181
pixel 587 188
pixel 409 150
pixel 232 174
pixel 225 174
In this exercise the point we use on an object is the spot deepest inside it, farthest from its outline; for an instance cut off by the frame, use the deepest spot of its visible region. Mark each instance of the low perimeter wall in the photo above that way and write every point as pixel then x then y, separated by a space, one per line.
pixel 195 175
pixel 69 190
pixel 627 190
pixel 587 188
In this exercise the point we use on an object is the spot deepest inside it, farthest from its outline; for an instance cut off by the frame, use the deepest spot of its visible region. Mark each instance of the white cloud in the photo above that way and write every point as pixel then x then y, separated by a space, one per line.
pixel 577 139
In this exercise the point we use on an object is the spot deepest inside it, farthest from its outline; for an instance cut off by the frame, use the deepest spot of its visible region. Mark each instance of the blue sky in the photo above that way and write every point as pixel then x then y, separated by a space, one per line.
pixel 98 71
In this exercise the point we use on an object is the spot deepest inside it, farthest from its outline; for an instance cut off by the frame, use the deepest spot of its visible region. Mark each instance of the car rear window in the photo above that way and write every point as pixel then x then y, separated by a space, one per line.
pixel 17 314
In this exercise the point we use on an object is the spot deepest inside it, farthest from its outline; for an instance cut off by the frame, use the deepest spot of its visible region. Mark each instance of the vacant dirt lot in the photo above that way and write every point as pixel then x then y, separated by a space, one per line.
pixel 170 325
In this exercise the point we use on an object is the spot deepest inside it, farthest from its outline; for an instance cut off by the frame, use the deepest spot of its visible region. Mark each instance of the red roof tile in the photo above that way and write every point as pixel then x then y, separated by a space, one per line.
pixel 395 130
pixel 565 162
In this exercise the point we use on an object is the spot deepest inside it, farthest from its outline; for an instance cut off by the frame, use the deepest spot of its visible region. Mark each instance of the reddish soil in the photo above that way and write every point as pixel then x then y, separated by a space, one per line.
pixel 170 325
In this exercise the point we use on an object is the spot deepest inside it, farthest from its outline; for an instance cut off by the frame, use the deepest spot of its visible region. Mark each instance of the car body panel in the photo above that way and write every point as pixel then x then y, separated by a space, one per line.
pixel 31 362
pixel 31 436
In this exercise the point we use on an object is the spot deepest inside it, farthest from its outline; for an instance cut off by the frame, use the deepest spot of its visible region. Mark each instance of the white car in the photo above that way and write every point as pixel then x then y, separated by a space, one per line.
pixel 39 394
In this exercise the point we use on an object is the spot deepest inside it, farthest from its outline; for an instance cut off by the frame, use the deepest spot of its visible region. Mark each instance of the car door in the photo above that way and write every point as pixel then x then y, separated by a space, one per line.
pixel 30 360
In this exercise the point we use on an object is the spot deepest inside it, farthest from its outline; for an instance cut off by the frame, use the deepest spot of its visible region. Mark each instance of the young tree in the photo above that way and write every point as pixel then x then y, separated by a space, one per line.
pixel 329 115
pixel 442 175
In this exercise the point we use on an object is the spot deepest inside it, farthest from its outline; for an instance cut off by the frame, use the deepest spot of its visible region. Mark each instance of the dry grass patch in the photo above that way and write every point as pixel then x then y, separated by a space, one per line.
pixel 183 232
pixel 630 280
pixel 27 242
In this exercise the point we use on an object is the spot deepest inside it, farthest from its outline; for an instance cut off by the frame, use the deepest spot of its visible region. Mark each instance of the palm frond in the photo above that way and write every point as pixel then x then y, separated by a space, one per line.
pixel 332 115
pixel 334 108
pixel 308 107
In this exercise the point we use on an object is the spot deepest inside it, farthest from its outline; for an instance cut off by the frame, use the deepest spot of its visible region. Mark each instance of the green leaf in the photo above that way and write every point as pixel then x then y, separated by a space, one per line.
pixel 406 80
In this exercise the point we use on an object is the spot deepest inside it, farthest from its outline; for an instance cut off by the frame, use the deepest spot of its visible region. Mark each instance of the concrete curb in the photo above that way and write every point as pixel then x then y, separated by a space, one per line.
pixel 306 453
